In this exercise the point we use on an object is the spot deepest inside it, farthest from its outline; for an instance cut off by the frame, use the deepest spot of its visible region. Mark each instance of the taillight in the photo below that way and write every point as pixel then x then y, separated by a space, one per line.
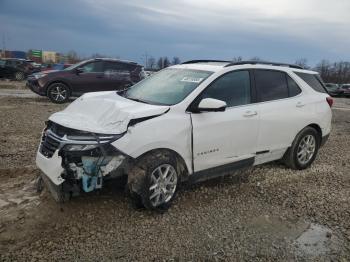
pixel 330 101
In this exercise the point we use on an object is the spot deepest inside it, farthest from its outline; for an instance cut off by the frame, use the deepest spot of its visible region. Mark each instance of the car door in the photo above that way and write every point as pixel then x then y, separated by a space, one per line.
pixel 89 79
pixel 221 138
pixel 9 69
pixel 283 112
pixel 117 75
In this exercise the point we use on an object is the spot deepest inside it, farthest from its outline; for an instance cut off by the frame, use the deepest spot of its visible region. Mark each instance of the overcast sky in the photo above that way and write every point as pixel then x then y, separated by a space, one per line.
pixel 277 30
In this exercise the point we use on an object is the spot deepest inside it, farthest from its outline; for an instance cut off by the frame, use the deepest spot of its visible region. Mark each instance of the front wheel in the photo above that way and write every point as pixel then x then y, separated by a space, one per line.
pixel 19 76
pixel 58 93
pixel 303 150
pixel 154 181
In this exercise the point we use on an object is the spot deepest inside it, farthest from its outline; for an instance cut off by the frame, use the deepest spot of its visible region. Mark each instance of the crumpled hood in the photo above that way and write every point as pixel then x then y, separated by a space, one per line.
pixel 104 112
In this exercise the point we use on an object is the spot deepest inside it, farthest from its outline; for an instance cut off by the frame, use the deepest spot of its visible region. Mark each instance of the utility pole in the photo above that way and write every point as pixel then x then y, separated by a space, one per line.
pixel 145 55
pixel 3 45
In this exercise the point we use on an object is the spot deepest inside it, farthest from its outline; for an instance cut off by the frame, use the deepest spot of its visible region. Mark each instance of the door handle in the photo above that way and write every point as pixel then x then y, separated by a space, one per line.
pixel 250 113
pixel 300 104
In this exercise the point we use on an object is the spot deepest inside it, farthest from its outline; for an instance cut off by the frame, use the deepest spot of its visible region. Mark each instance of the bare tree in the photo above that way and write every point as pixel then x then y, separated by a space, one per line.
pixel 166 62
pixel 303 63
pixel 160 63
pixel 151 63
pixel 256 58
pixel 176 60
pixel 163 62
pixel 237 59
pixel 72 57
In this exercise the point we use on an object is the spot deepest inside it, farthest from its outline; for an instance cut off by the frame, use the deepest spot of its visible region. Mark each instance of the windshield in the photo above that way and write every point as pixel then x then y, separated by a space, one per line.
pixel 168 87
pixel 74 66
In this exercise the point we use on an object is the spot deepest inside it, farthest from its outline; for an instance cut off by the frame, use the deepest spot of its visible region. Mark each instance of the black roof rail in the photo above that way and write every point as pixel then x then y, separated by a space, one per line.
pixel 263 63
pixel 205 61
pixel 112 59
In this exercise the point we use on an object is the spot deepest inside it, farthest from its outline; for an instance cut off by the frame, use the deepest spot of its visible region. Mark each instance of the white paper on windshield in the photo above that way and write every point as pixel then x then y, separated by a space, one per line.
pixel 191 79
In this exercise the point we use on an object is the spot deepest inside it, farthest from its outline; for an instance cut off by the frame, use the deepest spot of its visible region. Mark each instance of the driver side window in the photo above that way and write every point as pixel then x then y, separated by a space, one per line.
pixel 233 88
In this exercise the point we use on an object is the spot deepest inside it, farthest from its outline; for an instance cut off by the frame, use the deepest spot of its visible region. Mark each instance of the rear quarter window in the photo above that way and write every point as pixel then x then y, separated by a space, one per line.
pixel 313 81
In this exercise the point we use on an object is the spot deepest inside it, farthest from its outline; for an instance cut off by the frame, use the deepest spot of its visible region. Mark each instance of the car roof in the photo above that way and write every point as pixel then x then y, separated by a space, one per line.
pixel 112 60
pixel 218 65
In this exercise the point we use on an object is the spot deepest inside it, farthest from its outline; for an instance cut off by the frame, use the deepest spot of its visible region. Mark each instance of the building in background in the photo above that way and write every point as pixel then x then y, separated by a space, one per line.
pixel 35 55
pixel 18 54
pixel 13 54
pixel 49 57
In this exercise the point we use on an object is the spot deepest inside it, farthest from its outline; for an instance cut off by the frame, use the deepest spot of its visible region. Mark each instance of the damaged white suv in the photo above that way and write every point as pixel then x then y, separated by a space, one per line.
pixel 189 122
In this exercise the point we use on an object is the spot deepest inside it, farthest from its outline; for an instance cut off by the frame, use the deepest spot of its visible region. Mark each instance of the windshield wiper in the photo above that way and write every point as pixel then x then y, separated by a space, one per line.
pixel 136 99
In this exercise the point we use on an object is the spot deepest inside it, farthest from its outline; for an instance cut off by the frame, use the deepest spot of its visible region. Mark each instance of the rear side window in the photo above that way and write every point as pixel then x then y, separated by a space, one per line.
pixel 293 87
pixel 115 66
pixel 271 85
pixel 313 81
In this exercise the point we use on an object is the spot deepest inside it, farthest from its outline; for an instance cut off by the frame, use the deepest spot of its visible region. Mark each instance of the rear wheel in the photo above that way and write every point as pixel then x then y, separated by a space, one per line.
pixel 19 76
pixel 303 150
pixel 58 93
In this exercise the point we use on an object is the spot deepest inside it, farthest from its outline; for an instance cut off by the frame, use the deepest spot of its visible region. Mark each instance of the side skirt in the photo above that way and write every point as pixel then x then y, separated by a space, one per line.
pixel 220 170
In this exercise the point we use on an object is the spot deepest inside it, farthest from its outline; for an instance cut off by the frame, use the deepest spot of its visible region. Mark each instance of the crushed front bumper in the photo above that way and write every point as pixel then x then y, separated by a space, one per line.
pixel 51 167
pixel 67 170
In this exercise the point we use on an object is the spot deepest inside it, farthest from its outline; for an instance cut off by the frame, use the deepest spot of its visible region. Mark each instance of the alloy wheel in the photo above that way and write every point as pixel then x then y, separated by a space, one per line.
pixel 163 184
pixel 59 93
pixel 306 149
pixel 19 76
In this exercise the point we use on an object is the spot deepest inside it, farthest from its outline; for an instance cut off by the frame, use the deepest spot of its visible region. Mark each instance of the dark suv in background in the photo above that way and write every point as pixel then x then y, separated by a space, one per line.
pixel 16 69
pixel 99 74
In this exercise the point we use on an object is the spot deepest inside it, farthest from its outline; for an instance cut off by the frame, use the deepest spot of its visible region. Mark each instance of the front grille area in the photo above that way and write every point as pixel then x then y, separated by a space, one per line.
pixel 61 130
pixel 48 145
pixel 56 136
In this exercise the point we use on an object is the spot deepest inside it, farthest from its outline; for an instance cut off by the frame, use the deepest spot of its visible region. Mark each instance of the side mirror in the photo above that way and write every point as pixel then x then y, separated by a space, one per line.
pixel 211 105
pixel 79 70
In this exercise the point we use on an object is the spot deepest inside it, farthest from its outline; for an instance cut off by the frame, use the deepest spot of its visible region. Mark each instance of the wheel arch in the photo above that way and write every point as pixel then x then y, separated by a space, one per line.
pixel 181 163
pixel 318 129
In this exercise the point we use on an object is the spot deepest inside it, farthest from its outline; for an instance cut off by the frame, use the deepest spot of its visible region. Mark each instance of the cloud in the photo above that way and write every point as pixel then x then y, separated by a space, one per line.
pixel 272 29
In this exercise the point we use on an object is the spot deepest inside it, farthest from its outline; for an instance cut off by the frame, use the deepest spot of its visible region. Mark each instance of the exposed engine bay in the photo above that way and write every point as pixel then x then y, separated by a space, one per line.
pixel 87 159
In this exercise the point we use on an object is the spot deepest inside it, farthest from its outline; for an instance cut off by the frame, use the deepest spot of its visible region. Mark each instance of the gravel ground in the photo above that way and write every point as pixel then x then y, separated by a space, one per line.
pixel 8 84
pixel 261 214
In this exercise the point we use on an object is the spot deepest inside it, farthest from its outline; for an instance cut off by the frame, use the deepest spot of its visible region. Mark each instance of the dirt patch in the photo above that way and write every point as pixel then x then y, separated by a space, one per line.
pixel 8 84
pixel 267 213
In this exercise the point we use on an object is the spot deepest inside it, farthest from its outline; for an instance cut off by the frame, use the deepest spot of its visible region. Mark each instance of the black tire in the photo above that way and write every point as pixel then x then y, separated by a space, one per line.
pixel 140 180
pixel 58 93
pixel 291 156
pixel 19 76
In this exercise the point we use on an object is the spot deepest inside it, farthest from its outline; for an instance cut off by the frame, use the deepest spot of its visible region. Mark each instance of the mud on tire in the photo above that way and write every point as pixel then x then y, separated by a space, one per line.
pixel 290 158
pixel 141 179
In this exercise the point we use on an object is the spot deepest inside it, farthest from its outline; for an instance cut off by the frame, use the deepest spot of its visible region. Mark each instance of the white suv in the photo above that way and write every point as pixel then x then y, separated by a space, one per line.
pixel 188 122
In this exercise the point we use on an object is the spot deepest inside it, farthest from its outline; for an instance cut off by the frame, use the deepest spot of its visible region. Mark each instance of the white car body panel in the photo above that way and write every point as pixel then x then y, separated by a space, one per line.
pixel 51 167
pixel 104 112
pixel 224 137
pixel 218 138
pixel 170 131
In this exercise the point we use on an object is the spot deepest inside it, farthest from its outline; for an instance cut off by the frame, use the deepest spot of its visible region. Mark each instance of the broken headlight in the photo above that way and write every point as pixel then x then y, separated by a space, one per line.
pixel 79 147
